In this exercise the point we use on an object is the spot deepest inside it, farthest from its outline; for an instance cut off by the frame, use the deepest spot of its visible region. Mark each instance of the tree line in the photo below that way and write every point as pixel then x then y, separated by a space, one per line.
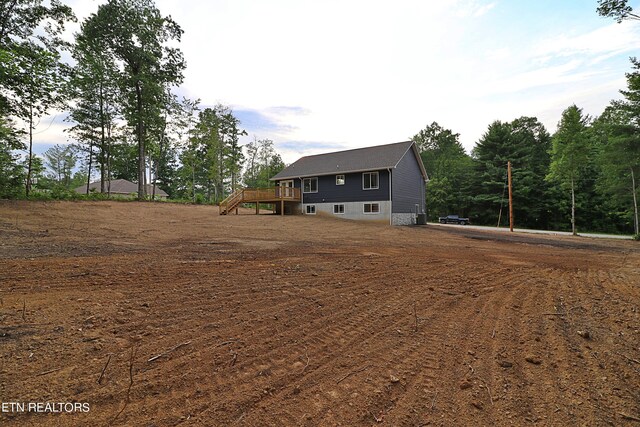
pixel 584 176
pixel 119 92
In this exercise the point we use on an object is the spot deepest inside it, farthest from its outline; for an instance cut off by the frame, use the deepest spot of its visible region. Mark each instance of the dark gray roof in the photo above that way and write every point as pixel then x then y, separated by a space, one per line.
pixel 119 186
pixel 357 160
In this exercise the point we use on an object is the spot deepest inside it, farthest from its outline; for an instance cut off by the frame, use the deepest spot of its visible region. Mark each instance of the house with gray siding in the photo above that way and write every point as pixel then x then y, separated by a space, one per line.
pixel 384 183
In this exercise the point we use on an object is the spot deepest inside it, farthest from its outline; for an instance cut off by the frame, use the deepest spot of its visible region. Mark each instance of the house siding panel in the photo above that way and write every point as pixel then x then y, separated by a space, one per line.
pixel 408 185
pixel 351 191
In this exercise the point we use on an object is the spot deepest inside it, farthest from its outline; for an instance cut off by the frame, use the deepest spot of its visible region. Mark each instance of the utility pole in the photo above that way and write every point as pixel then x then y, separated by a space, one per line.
pixel 510 197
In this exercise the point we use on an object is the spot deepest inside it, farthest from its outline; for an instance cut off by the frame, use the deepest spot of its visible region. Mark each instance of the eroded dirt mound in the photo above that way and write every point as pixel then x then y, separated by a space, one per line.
pixel 159 314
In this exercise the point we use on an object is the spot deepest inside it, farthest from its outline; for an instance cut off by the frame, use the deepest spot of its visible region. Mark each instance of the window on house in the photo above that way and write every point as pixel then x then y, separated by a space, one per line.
pixel 372 208
pixel 310 185
pixel 339 179
pixel 370 180
pixel 338 209
pixel 311 209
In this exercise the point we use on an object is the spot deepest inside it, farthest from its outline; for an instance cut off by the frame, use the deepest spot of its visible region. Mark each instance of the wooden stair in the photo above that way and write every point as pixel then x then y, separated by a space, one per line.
pixel 231 202
pixel 259 195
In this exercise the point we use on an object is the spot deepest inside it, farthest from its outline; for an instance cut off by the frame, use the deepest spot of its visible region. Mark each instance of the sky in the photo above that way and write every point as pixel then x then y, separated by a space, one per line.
pixel 317 76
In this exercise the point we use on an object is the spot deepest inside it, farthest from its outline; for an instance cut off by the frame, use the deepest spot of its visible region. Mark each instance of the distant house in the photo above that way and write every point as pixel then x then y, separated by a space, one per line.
pixel 384 183
pixel 121 188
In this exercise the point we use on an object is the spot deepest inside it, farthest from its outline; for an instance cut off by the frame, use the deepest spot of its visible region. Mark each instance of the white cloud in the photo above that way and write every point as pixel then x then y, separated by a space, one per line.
pixel 472 8
pixel 611 39
pixel 371 72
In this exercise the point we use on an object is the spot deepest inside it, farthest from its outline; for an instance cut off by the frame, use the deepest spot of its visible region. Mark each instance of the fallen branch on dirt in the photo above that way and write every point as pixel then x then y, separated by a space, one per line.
pixel 489 392
pixel 126 402
pixel 351 373
pixel 233 360
pixel 80 274
pixel 174 348
pixel 628 417
pixel 222 344
pixel 599 362
pixel 24 310
pixel 553 314
pixel 306 353
pixel 48 372
pixel 628 358
pixel 433 402
pixel 104 369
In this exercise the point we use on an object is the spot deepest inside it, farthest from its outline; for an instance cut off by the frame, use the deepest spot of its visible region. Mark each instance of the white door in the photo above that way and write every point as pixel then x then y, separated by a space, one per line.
pixel 286 188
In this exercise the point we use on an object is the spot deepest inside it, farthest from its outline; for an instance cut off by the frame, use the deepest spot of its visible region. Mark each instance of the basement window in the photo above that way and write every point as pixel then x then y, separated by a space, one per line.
pixel 311 209
pixel 338 209
pixel 372 208
pixel 339 179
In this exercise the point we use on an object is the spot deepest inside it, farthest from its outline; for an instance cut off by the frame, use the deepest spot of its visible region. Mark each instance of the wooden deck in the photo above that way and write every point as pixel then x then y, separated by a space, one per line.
pixel 260 195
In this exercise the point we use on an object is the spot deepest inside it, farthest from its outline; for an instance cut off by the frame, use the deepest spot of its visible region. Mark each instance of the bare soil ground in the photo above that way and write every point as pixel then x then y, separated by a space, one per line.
pixel 248 320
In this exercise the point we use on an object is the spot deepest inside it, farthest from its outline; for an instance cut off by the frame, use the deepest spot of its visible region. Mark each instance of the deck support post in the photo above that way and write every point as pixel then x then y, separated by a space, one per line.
pixel 257 208
pixel 281 207
pixel 236 210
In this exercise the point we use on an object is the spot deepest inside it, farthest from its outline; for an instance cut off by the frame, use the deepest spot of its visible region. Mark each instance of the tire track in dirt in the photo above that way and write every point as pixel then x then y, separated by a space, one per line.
pixel 323 333
pixel 407 353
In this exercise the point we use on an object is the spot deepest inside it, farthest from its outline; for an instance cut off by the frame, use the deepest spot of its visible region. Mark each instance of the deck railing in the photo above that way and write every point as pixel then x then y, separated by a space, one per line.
pixel 256 195
pixel 271 194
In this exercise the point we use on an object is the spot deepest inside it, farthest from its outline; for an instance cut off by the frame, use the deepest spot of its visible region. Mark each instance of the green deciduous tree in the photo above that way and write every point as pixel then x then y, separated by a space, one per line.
pixel 40 90
pixel 141 41
pixel 60 160
pixel 620 155
pixel 96 107
pixel 30 69
pixel 11 172
pixel 124 163
pixel 449 168
pixel 570 154
pixel 212 159
pixel 262 162
pixel 618 9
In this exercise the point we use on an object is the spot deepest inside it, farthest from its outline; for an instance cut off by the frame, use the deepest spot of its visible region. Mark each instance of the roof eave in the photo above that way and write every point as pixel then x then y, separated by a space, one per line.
pixel 420 163
pixel 279 178
pixel 423 171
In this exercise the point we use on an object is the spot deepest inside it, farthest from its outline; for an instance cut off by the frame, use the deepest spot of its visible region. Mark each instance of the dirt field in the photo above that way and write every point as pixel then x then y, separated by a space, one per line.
pixel 163 315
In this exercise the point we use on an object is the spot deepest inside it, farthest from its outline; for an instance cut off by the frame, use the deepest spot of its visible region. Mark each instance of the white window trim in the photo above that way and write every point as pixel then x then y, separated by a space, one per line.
pixel 317 184
pixel 371 213
pixel 344 179
pixel 306 211
pixel 377 180
pixel 338 213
